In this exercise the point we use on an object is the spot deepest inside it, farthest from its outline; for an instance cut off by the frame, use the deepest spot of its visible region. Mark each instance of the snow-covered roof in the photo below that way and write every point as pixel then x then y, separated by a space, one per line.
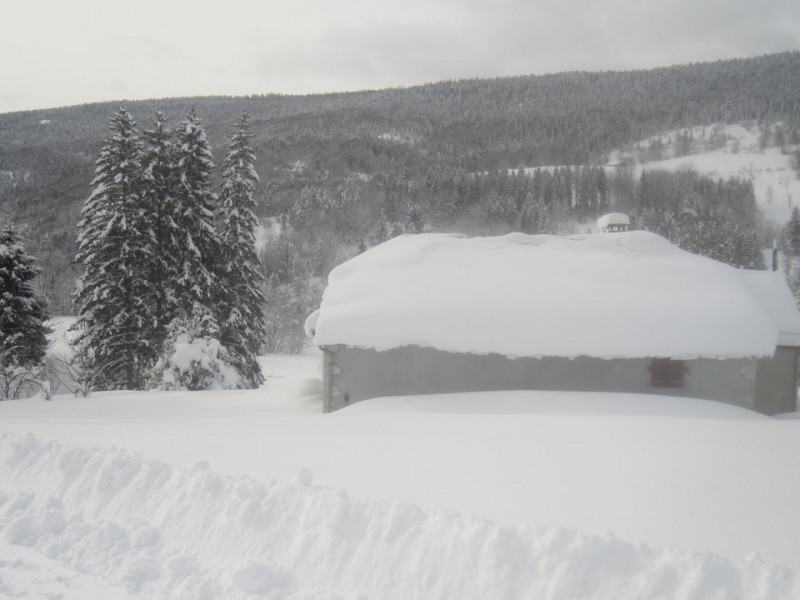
pixel 620 295
pixel 613 219
pixel 770 289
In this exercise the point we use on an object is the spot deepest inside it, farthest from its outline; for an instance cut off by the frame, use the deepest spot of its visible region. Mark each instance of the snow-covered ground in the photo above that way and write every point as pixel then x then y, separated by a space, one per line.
pixel 257 494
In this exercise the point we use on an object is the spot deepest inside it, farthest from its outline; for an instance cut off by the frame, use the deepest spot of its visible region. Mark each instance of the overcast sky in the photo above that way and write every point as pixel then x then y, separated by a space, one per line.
pixel 62 52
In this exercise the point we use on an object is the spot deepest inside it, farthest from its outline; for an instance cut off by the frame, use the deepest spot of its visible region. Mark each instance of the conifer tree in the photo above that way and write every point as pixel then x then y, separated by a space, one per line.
pixel 198 252
pixel 159 183
pixel 23 313
pixel 790 244
pixel 241 299
pixel 381 232
pixel 747 251
pixel 790 236
pixel 111 296
pixel 533 218
pixel 415 222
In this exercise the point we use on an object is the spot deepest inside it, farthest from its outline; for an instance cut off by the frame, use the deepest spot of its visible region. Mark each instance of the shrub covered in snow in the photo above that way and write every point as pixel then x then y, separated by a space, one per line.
pixel 18 381
pixel 191 361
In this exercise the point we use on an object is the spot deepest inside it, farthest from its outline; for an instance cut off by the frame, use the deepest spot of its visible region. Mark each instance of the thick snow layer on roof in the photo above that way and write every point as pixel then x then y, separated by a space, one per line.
pixel 770 289
pixel 622 295
pixel 613 219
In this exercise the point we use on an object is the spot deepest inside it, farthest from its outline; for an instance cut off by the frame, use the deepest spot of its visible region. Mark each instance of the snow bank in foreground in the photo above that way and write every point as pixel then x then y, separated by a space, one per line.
pixel 160 531
pixel 25 574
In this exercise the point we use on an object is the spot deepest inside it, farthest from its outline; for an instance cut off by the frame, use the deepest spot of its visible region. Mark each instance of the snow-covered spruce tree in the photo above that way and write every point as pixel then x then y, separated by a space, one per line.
pixel 23 316
pixel 790 236
pixel 197 254
pixel 159 182
pixel 241 300
pixel 415 221
pixel 112 296
pixel 194 256
pixel 790 244
pixel 747 250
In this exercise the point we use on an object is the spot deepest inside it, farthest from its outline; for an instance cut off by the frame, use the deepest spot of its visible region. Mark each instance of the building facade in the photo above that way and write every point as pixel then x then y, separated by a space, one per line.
pixel 616 312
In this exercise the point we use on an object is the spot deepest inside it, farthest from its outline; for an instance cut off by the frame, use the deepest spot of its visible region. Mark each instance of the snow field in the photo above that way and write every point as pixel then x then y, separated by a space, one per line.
pixel 776 184
pixel 154 530
pixel 777 188
pixel 179 499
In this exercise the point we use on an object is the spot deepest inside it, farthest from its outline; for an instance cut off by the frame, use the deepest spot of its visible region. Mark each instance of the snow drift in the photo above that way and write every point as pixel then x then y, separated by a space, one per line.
pixel 161 531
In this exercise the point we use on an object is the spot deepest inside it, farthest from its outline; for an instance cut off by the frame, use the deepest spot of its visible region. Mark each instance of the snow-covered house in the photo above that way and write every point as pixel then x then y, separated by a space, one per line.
pixel 615 312
pixel 614 222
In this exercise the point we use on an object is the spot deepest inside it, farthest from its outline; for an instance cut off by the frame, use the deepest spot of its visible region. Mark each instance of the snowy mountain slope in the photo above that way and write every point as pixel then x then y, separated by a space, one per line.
pixel 175 495
pixel 724 151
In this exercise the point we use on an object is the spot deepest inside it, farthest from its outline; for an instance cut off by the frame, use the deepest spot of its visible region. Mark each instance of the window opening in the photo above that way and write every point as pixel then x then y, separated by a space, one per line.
pixel 665 372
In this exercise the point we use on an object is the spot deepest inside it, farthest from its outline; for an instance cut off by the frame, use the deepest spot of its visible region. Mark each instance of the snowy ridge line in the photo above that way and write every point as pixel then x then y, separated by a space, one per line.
pixel 161 531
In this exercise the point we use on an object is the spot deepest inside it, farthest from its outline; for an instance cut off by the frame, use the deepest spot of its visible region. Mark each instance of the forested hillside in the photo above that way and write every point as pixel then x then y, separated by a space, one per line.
pixel 340 172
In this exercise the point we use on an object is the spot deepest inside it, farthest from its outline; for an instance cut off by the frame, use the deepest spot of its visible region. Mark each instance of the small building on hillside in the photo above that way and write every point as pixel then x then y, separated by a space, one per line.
pixel 614 223
pixel 614 312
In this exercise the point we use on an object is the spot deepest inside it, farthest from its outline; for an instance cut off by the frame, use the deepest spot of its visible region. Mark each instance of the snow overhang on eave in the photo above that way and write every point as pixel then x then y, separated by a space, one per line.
pixel 388 347
pixel 788 339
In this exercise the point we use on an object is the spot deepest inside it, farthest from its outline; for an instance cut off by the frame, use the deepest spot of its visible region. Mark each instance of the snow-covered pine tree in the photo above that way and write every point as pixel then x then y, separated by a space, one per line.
pixel 113 246
pixel 194 256
pixel 790 236
pixel 23 314
pixel 381 232
pixel 415 222
pixel 241 300
pixel 196 259
pixel 790 244
pixel 747 250
pixel 159 182
pixel 533 216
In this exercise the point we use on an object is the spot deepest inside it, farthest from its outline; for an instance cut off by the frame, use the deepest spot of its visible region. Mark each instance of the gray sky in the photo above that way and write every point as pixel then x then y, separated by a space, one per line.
pixel 62 52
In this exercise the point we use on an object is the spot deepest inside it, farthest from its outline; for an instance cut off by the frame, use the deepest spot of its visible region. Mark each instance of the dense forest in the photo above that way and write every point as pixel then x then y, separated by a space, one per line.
pixel 341 172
